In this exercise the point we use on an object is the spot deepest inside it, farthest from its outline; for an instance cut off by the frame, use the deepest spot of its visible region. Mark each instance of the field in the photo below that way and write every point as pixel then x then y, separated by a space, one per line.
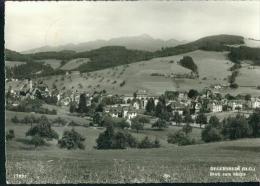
pixel 13 63
pixel 74 63
pixel 170 163
pixel 213 69
pixel 54 63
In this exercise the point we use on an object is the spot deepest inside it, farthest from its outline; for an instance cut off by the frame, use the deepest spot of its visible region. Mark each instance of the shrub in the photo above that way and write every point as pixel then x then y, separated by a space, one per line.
pixel 254 123
pixel 15 119
pixel 234 85
pixel 43 129
pixel 60 121
pixel 122 84
pixel 147 143
pixel 236 127
pixel 10 135
pixel 160 124
pixel 211 134
pixel 136 124
pixel 37 141
pixel 71 140
pixel 73 124
pixel 180 138
pixel 110 139
pixel 187 128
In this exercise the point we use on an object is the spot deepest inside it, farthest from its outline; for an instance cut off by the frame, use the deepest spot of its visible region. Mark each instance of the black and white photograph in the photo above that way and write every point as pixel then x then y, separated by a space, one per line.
pixel 132 92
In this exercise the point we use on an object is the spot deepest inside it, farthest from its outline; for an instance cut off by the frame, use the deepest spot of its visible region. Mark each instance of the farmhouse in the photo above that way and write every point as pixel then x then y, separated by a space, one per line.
pixel 215 106
pixel 254 103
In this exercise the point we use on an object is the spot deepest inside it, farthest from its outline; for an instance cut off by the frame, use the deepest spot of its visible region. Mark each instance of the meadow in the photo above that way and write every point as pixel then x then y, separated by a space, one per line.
pixel 169 163
pixel 213 69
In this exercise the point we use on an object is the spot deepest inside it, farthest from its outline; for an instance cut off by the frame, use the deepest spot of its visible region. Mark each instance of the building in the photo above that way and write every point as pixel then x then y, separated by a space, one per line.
pixel 215 106
pixel 254 103
pixel 235 105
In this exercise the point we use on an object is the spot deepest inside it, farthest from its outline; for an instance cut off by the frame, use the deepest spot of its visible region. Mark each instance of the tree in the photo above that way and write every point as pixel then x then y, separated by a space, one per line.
pixel 211 134
pixel 98 118
pixel 143 119
pixel 188 118
pixel 73 107
pixel 10 135
pixel 188 62
pixel 123 124
pixel 15 119
pixel 82 103
pixel 214 122
pixel 248 97
pixel 147 143
pixel 201 119
pixel 237 127
pixel 150 107
pixel 193 93
pixel 105 139
pixel 180 138
pixel 71 140
pixel 160 124
pixel 43 129
pixel 177 118
pixel 110 139
pixel 37 141
pixel 187 129
pixel 136 125
pixel 254 123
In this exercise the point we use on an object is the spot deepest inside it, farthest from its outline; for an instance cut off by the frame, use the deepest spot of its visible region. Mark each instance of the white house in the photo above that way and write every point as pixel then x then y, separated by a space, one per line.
pixel 255 103
pixel 215 106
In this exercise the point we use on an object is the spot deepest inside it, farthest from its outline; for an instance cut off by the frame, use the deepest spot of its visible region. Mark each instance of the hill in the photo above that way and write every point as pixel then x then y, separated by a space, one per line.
pixel 140 42
pixel 153 76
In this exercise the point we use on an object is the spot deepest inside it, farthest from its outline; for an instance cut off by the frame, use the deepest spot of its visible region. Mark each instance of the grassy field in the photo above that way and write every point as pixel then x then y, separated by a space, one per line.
pixel 74 63
pixel 170 163
pixel 54 63
pixel 213 69
pixel 13 63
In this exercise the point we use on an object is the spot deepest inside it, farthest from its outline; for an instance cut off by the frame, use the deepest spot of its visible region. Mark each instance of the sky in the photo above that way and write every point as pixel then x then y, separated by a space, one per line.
pixel 30 25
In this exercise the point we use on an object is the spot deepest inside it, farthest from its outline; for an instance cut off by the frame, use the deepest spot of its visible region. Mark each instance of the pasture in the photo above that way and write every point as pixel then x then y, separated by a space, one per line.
pixel 169 163
pixel 213 69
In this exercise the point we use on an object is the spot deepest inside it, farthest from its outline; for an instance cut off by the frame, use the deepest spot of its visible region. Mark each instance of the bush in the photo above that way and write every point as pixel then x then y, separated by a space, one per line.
pixel 211 134
pixel 71 140
pixel 147 143
pixel 160 124
pixel 187 128
pixel 180 138
pixel 43 129
pixel 15 119
pixel 37 141
pixel 109 139
pixel 234 85
pixel 254 123
pixel 10 135
pixel 236 127
pixel 122 84
pixel 60 121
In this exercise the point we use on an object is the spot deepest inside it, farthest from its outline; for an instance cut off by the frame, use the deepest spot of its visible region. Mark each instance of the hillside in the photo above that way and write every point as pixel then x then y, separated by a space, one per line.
pixel 213 69
pixel 140 42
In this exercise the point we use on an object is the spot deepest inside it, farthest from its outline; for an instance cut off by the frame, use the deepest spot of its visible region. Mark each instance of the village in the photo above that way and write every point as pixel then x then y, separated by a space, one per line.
pixel 129 106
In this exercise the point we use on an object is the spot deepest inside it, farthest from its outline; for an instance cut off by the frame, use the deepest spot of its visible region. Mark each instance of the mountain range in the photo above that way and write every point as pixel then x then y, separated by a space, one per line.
pixel 140 42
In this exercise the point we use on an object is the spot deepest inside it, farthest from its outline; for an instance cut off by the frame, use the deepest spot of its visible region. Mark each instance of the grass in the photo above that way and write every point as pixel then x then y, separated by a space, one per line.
pixel 212 65
pixel 170 163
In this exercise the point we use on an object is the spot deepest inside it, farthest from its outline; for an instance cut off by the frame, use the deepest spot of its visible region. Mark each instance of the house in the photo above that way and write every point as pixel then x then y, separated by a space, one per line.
pixel 136 104
pixel 215 106
pixel 254 103
pixel 177 107
pixel 235 104
pixel 141 94
pixel 129 113
pixel 183 95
